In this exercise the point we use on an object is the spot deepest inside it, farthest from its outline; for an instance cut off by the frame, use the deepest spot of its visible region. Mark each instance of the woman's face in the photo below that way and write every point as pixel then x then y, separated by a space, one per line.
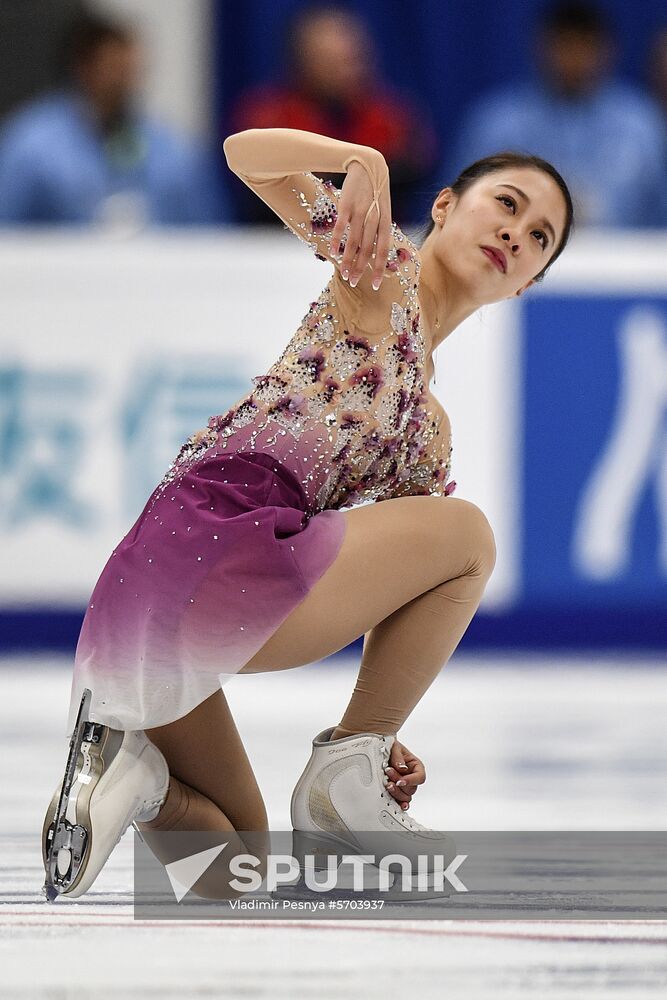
pixel 525 228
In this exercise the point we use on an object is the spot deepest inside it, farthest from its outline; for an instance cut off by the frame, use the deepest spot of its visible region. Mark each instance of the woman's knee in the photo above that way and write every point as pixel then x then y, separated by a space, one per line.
pixel 479 537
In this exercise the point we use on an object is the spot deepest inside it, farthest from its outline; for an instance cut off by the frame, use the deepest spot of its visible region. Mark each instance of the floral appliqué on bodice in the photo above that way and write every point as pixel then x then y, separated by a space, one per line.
pixel 345 412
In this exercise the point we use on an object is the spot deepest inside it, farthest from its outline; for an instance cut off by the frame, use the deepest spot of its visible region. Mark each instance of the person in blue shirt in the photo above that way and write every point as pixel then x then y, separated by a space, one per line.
pixel 606 136
pixel 85 154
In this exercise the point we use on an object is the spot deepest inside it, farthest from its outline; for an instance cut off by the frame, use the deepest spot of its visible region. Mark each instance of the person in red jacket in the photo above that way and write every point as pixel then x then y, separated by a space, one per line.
pixel 333 87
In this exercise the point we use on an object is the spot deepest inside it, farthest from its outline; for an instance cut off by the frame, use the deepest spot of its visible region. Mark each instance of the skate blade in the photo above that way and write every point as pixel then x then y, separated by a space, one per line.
pixel 64 844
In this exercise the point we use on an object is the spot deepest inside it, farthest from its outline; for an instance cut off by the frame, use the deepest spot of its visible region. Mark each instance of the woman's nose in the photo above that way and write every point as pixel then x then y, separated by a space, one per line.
pixel 514 244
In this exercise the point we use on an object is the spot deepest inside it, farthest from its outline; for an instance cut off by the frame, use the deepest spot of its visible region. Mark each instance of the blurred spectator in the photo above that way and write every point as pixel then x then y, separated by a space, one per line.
pixel 657 76
pixel 332 86
pixel 605 136
pixel 85 153
pixel 658 68
pixel 31 41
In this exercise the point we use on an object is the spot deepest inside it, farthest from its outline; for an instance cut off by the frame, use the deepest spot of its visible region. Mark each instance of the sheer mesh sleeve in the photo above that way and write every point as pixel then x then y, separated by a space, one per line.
pixel 276 164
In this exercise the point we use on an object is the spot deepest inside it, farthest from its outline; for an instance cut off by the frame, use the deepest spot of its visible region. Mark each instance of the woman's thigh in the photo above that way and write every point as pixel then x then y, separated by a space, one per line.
pixel 391 553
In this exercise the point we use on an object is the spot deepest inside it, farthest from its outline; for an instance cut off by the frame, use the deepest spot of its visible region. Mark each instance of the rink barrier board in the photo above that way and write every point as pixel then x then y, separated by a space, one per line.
pixel 115 350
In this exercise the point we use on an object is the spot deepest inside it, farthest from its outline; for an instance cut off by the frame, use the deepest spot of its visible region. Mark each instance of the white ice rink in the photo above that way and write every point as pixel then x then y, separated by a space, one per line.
pixel 509 744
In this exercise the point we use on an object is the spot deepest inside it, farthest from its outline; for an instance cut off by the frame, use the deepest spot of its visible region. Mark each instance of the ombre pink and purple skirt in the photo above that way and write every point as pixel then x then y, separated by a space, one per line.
pixel 211 568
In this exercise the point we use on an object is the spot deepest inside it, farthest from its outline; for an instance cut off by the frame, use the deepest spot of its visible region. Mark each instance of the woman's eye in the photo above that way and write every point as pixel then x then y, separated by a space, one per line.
pixel 505 197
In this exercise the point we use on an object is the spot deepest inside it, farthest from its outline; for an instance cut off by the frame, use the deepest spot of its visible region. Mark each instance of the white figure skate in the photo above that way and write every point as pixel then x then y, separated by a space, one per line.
pixel 111 779
pixel 340 804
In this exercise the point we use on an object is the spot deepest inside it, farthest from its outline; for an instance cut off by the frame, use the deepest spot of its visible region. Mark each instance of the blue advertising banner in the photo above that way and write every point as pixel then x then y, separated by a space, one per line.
pixel 594 500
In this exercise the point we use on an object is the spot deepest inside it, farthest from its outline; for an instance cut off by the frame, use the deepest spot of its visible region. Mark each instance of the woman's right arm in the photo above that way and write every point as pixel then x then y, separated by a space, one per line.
pixel 276 163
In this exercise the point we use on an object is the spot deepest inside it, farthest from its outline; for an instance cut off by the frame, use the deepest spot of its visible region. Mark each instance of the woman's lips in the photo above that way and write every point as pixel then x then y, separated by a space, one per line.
pixel 495 256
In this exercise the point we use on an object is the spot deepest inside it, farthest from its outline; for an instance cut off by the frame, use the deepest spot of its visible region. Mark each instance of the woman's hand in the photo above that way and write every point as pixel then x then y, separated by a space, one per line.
pixel 405 772
pixel 356 197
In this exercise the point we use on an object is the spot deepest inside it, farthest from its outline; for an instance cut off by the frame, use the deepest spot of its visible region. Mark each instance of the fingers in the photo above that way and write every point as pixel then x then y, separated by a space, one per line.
pixel 400 787
pixel 363 222
pixel 397 756
pixel 338 232
pixel 401 797
pixel 381 252
pixel 401 780
pixel 364 255
pixel 405 772
pixel 403 793
pixel 411 767
pixel 364 245
pixel 351 247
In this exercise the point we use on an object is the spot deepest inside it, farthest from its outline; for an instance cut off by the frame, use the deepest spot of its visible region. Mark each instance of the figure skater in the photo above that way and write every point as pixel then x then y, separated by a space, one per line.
pixel 259 550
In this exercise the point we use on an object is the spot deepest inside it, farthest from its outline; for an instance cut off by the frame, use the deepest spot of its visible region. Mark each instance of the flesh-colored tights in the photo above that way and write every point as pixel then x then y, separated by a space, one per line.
pixel 409 577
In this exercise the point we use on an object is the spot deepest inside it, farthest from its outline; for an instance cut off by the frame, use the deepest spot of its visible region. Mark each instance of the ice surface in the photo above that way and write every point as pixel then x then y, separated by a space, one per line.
pixel 509 743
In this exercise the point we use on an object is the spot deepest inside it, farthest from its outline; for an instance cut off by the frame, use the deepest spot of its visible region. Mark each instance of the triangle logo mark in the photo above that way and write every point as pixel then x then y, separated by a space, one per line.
pixel 184 873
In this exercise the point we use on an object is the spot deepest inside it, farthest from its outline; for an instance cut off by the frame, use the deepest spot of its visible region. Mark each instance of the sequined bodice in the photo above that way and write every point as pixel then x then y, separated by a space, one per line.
pixel 346 410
